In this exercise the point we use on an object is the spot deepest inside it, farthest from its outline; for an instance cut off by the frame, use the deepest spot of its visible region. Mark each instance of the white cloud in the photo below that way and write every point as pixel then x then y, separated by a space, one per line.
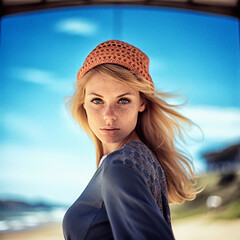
pixel 76 26
pixel 23 125
pixel 35 172
pixel 217 123
pixel 42 77
pixel 34 75
pixel 157 64
pixel 35 161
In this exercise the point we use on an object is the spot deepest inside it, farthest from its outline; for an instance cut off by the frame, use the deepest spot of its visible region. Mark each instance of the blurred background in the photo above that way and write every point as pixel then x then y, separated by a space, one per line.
pixel 46 160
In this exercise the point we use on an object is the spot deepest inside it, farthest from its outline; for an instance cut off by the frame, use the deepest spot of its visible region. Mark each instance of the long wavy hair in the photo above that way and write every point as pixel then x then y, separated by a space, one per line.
pixel 159 126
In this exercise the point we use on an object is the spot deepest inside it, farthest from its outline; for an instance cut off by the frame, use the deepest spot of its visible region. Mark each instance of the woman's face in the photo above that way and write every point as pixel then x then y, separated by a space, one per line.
pixel 112 111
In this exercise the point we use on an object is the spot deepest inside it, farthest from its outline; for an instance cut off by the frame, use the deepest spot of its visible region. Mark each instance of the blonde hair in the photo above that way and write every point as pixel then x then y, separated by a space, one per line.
pixel 159 126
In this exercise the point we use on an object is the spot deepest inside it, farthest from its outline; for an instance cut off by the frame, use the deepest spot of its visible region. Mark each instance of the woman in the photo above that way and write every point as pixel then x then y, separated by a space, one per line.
pixel 135 131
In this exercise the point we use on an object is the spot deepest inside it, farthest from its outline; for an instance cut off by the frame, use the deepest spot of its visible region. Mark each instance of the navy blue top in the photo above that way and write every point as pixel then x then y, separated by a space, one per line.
pixel 125 199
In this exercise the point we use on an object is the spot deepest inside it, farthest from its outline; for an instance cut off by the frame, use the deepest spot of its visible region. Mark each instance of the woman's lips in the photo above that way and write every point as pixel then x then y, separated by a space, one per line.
pixel 109 131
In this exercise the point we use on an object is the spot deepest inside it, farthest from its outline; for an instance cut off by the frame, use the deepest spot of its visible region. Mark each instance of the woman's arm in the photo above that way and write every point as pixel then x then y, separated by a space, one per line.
pixel 131 208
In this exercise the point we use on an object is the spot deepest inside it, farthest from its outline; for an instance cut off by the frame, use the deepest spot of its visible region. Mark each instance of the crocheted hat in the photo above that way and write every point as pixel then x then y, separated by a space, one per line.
pixel 120 53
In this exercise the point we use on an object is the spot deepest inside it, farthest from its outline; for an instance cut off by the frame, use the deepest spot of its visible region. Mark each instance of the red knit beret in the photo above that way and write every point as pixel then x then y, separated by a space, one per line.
pixel 119 53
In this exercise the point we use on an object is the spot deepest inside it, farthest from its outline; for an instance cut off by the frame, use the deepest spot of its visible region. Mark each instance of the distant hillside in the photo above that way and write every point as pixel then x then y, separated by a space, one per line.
pixel 224 160
pixel 220 197
pixel 15 205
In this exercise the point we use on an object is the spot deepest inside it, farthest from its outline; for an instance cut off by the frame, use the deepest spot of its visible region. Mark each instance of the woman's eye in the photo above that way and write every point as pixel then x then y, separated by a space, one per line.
pixel 124 100
pixel 97 101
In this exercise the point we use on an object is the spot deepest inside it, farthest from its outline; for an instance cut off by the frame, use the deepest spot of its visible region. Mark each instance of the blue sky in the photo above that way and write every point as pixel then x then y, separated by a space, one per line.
pixel 43 153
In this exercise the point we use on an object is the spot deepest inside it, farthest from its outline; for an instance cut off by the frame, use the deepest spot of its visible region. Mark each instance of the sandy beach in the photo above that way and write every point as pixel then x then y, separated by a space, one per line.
pixel 53 232
pixel 198 228
pixel 202 228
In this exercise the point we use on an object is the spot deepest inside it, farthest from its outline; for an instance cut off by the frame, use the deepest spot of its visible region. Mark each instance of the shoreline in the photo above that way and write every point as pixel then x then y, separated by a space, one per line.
pixel 51 231
pixel 194 228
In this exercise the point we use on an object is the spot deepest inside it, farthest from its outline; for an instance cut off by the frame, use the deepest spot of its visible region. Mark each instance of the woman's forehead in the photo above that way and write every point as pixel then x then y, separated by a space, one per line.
pixel 101 83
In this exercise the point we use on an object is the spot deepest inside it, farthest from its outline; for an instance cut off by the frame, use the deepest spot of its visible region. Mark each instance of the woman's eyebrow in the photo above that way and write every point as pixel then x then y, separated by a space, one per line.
pixel 124 94
pixel 93 93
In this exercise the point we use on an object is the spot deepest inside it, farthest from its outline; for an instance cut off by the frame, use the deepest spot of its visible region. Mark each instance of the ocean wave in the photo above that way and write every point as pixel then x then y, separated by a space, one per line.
pixel 26 220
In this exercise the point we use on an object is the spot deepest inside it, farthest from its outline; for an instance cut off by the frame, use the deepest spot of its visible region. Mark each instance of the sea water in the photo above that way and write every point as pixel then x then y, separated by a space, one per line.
pixel 11 221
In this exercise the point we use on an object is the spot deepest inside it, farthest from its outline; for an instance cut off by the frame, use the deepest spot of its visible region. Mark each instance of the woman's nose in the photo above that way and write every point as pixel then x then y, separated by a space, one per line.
pixel 109 114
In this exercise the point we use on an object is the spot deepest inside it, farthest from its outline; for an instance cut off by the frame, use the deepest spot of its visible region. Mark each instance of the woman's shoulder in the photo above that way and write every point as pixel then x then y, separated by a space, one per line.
pixel 136 160
pixel 137 156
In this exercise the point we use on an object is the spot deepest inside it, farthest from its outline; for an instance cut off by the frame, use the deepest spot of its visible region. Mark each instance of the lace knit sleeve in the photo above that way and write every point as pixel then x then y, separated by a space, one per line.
pixel 130 204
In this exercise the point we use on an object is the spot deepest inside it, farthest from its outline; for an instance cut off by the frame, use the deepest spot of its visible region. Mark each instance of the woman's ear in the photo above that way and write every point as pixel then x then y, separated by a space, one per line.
pixel 142 105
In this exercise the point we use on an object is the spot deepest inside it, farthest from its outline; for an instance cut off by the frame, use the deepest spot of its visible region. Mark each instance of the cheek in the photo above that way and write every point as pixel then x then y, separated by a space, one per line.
pixel 130 117
pixel 90 110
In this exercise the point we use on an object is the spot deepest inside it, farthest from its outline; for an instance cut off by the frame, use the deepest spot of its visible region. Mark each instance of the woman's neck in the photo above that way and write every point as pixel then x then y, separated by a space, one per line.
pixel 111 147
